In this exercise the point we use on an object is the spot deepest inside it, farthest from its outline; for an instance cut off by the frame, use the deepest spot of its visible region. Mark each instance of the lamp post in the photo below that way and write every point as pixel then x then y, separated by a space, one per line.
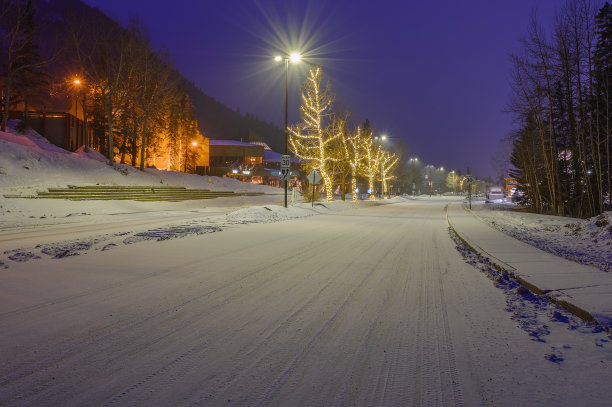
pixel 194 144
pixel 293 58
pixel 414 161
pixel 77 82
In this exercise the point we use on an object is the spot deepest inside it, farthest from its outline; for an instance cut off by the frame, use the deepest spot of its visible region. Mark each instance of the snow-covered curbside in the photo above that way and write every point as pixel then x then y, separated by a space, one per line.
pixel 553 296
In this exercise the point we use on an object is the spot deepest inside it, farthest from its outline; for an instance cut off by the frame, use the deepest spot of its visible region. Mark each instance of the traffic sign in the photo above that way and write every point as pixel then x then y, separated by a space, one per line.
pixel 285 161
pixel 314 177
pixel 285 174
pixel 469 179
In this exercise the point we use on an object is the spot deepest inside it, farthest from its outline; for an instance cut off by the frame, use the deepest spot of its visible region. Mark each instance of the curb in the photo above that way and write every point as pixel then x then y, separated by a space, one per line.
pixel 510 271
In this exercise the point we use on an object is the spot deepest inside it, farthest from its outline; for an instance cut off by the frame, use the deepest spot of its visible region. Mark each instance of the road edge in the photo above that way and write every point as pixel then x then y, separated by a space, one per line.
pixel 508 271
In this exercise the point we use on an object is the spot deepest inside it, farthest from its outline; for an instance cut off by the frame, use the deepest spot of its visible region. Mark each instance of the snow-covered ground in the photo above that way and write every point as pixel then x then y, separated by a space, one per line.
pixel 29 162
pixel 239 301
pixel 34 228
pixel 587 241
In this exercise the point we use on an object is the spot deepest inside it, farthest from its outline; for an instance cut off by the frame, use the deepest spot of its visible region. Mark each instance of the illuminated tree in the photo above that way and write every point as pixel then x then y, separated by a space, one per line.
pixel 313 139
pixel 387 162
pixel 354 155
pixel 452 181
pixel 371 164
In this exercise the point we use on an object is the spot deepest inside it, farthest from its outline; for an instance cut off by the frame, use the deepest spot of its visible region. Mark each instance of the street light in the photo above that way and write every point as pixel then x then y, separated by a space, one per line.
pixel 194 144
pixel 294 58
pixel 77 82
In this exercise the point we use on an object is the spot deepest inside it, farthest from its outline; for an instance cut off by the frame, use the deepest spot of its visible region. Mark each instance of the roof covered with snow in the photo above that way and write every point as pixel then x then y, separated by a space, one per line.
pixel 233 143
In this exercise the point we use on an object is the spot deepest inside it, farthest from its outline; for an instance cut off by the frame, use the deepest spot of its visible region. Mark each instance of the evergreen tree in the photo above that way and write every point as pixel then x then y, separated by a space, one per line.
pixel 600 144
pixel 20 60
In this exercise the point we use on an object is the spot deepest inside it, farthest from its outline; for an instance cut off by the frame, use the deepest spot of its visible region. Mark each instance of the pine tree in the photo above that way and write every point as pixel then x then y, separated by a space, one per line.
pixel 20 60
pixel 600 142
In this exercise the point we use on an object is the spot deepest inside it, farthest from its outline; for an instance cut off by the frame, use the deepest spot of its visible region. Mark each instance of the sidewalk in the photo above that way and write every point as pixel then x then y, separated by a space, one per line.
pixel 583 290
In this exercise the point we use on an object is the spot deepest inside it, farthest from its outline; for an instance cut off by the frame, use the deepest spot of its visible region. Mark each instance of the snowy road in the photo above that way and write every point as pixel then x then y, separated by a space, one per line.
pixel 367 307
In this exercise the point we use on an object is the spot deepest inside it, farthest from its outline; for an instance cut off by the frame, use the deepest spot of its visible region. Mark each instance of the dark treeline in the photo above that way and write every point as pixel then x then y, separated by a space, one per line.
pixel 139 108
pixel 562 101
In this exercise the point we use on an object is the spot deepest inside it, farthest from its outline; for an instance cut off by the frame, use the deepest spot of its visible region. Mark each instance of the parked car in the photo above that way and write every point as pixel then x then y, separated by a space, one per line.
pixel 495 194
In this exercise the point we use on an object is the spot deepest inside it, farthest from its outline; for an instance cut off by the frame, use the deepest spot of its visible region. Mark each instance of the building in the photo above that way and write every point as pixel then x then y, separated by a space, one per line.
pixel 62 129
pixel 272 163
pixel 510 187
pixel 248 162
pixel 235 158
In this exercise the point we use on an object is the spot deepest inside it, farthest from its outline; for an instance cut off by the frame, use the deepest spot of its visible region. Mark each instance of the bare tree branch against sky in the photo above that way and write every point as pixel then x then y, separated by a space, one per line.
pixel 435 74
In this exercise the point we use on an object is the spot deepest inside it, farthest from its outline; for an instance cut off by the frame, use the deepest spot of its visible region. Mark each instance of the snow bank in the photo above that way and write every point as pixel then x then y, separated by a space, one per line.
pixel 587 241
pixel 29 162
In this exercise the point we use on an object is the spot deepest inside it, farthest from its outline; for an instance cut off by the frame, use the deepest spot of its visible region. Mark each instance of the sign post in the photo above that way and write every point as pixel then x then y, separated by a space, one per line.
pixel 314 178
pixel 285 172
pixel 469 179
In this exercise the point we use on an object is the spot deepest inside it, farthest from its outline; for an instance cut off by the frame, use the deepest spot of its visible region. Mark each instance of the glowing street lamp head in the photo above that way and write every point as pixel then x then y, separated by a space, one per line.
pixel 295 57
pixel 77 81
pixel 383 137
pixel 278 58
pixel 194 143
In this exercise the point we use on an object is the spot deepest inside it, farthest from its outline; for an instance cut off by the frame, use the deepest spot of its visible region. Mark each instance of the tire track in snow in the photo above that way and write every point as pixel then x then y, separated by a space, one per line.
pixel 433 378
pixel 86 293
pixel 84 349
pixel 282 378
pixel 193 362
pixel 262 351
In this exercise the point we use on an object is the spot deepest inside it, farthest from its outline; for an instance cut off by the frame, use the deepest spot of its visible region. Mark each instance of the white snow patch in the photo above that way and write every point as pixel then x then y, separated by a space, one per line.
pixel 587 241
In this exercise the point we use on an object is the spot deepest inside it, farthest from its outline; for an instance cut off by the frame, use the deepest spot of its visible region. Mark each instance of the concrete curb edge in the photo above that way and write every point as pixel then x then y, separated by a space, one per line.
pixel 508 270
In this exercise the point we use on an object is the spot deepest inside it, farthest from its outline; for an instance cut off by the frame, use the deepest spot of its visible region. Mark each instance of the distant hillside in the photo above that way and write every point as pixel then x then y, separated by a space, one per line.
pixel 215 120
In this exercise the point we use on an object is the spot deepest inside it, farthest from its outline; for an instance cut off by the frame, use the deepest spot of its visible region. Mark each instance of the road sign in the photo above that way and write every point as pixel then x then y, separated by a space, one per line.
pixel 469 179
pixel 314 177
pixel 285 174
pixel 285 161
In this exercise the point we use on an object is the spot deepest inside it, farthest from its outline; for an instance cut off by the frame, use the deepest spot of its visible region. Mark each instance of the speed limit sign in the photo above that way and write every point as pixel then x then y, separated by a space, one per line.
pixel 285 162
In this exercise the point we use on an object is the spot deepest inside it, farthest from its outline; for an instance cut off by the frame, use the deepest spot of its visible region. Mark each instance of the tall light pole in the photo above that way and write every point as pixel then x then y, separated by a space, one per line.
pixel 194 144
pixel 293 58
pixel 77 82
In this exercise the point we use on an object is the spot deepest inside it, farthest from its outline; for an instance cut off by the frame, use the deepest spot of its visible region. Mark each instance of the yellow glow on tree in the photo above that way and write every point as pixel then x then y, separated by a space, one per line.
pixel 462 182
pixel 387 162
pixel 354 156
pixel 371 161
pixel 313 138
pixel 452 181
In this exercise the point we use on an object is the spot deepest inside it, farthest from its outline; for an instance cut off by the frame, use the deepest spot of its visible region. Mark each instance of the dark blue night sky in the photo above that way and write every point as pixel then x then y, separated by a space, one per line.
pixel 433 73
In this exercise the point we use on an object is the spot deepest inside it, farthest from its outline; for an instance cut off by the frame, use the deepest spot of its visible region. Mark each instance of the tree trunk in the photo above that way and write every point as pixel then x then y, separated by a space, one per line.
pixel 328 185
pixel 111 147
pixel 354 183
pixel 142 142
pixel 5 113
pixel 85 131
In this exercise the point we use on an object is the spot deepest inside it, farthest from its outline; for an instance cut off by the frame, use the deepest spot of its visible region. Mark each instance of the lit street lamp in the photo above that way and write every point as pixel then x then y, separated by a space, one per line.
pixel 194 144
pixel 77 82
pixel 293 58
